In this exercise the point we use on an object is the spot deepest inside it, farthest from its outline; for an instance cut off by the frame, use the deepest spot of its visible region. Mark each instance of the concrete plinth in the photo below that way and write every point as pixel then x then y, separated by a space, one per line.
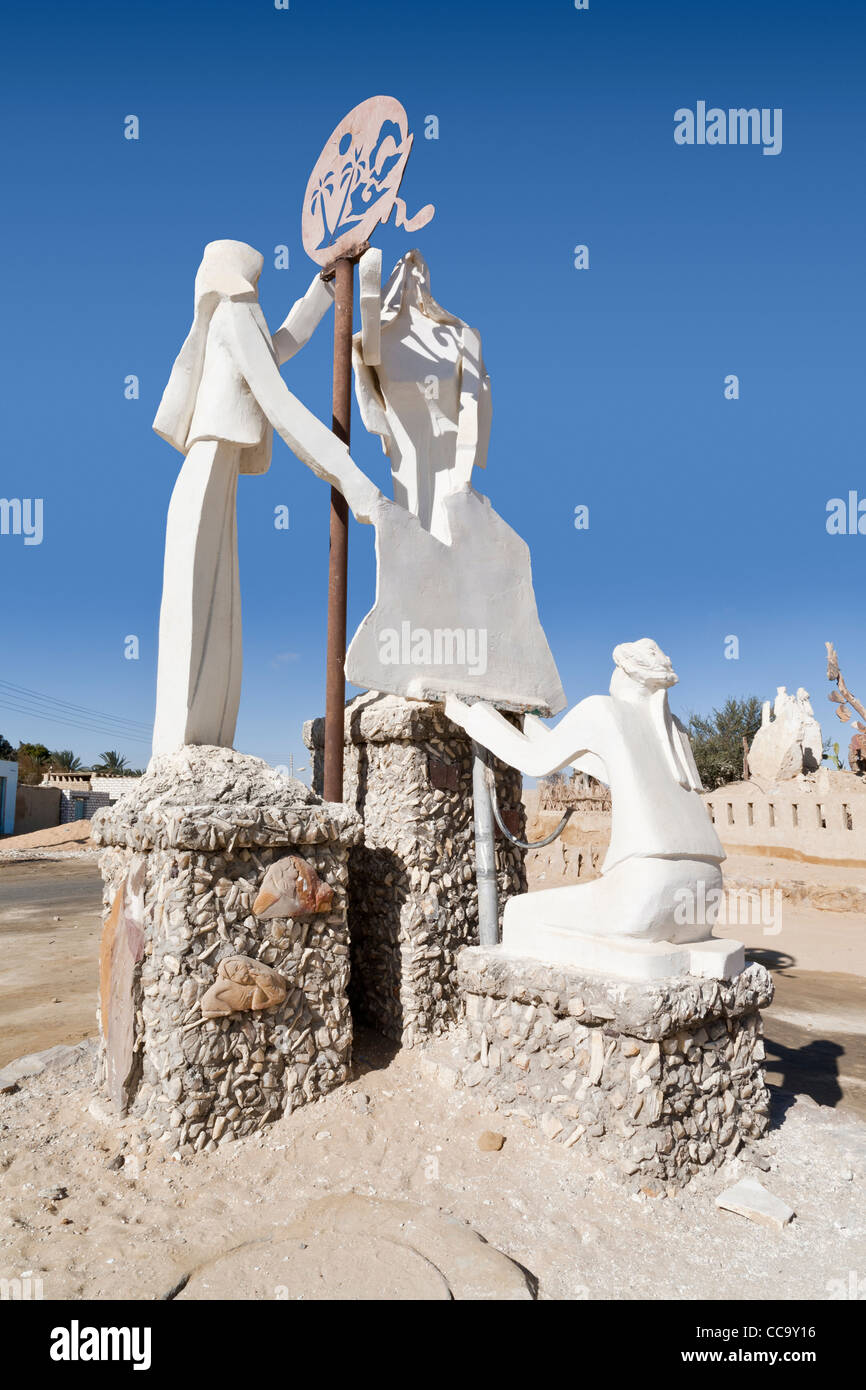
pixel 413 903
pixel 660 1077
pixel 214 1019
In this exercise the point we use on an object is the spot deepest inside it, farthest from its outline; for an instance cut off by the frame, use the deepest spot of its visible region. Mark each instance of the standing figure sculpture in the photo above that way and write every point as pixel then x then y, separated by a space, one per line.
pixel 423 388
pixel 223 397
pixel 661 879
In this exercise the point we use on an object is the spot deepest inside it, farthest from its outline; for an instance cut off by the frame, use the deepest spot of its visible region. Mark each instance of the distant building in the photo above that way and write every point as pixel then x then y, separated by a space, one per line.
pixel 8 787
pixel 83 793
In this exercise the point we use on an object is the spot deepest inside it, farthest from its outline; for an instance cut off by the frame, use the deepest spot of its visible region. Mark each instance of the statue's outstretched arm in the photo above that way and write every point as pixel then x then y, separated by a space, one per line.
pixel 536 755
pixel 303 319
pixel 312 442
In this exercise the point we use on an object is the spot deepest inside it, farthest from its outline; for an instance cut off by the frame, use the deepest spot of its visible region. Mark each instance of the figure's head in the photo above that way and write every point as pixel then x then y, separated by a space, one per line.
pixel 228 270
pixel 642 664
pixel 409 284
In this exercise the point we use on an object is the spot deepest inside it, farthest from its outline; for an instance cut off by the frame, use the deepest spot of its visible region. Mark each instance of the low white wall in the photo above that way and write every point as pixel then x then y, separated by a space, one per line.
pixel 820 818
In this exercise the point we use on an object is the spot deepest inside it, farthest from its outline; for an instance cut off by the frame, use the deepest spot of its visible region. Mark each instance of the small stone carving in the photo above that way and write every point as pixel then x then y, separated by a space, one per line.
pixel 292 888
pixel 241 984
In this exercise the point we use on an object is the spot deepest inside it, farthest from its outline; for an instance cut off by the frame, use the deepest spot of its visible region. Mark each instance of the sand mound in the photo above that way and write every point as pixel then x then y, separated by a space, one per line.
pixel 75 835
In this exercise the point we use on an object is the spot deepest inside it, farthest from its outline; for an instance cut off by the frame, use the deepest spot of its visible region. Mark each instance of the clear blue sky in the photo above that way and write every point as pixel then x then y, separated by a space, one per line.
pixel 707 516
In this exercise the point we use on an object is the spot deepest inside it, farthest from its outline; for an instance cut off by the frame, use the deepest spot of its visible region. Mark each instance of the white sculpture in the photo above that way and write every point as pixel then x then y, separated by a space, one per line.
pixel 790 742
pixel 422 387
pixel 652 911
pixel 224 394
pixel 455 609
pixel 454 581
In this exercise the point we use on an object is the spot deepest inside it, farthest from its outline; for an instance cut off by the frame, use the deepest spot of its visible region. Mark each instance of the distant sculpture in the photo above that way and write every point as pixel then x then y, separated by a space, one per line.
pixel 292 888
pixel 661 879
pixel 790 742
pixel 242 984
pixel 455 609
pixel 224 394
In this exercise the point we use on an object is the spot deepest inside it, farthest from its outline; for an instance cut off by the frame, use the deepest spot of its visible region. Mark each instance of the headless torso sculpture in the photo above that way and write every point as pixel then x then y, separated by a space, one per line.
pixel 455 608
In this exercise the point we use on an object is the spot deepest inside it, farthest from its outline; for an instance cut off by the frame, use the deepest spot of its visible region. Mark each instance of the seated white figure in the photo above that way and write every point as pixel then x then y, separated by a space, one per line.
pixel 664 853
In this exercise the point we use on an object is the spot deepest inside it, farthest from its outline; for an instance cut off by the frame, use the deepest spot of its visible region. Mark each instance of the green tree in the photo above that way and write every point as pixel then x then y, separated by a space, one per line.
pixel 64 760
pixel 7 752
pixel 717 739
pixel 34 759
pixel 111 763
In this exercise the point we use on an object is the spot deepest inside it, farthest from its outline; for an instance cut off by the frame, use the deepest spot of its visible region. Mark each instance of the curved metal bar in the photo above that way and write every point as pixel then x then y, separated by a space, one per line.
pixel 523 844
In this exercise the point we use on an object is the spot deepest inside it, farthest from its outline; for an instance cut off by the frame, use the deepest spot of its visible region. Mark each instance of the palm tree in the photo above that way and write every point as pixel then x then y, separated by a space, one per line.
pixel 111 763
pixel 321 195
pixel 64 760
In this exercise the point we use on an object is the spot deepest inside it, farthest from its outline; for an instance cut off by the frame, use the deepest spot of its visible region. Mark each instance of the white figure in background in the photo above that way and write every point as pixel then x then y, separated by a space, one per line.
pixel 224 394
pixel 422 387
pixel 790 742
pixel 455 609
pixel 664 852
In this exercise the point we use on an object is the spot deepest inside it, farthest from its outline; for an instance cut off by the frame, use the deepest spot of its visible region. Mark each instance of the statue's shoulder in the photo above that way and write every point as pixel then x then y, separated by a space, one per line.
pixel 595 706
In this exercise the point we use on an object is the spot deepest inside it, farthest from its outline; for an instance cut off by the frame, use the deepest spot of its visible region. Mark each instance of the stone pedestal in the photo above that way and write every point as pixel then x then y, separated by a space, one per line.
pixel 661 1077
pixel 413 903
pixel 217 1013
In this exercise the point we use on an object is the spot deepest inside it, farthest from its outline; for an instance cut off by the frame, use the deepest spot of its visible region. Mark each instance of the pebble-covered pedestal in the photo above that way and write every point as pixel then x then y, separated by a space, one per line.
pixel 661 1078
pixel 413 902
pixel 184 859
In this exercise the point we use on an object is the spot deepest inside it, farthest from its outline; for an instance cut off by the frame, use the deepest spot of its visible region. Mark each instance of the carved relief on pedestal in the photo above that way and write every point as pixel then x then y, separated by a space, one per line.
pixel 292 888
pixel 242 984
pixel 121 950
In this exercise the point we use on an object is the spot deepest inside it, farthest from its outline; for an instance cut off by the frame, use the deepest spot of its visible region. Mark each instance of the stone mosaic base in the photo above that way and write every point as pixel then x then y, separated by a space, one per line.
pixel 413 902
pixel 183 867
pixel 660 1078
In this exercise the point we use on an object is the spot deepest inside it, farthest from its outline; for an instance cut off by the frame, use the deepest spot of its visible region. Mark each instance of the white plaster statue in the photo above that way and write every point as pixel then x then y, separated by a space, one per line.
pixel 422 387
pixel 790 742
pixel 653 909
pixel 224 395
pixel 453 579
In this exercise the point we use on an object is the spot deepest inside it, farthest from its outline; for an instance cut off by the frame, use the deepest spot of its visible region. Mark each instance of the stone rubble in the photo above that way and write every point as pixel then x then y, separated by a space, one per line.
pixel 749 1198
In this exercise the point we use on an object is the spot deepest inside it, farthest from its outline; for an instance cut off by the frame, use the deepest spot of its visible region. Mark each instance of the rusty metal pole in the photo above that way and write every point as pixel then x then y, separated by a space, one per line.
pixel 335 679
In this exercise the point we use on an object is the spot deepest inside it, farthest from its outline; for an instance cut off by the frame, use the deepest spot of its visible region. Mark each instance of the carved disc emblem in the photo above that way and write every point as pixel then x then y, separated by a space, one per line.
pixel 354 184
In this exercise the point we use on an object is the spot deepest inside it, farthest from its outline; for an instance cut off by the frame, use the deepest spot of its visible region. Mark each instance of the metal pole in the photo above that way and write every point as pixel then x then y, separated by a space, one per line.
pixel 335 680
pixel 485 851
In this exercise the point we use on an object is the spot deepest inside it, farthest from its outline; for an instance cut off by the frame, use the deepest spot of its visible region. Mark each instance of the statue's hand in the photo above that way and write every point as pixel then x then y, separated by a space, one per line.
pixel 458 712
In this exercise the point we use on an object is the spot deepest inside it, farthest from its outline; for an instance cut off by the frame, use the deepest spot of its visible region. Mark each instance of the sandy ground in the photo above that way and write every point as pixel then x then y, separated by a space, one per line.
pixel 50 925
pixel 238 1223
pixel 74 835
pixel 141 1229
